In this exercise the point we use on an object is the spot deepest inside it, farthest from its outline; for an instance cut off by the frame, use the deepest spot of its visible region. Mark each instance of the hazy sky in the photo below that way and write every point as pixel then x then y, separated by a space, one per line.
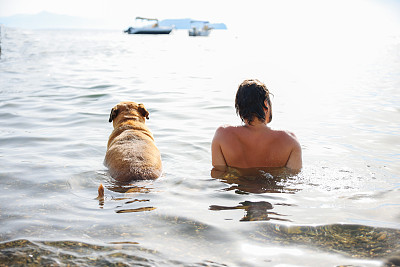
pixel 373 16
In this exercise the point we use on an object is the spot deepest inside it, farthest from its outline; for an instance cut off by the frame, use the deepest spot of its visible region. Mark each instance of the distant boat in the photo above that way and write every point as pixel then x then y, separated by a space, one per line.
pixel 154 28
pixel 203 30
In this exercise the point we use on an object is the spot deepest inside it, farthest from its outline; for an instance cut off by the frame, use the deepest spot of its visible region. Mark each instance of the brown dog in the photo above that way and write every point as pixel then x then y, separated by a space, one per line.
pixel 131 151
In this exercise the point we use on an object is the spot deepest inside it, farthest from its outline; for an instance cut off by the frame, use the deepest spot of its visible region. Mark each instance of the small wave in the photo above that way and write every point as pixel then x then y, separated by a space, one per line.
pixel 92 96
pixel 101 86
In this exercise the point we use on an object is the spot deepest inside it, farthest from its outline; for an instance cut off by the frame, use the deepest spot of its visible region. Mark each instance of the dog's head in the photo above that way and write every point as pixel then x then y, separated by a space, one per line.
pixel 129 110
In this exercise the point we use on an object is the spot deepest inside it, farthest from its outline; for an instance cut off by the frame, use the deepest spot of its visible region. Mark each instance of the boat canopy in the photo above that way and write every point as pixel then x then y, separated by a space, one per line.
pixel 141 18
pixel 199 21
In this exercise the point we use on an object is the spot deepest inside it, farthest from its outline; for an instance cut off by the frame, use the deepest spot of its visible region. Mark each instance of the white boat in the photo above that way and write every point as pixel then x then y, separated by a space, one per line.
pixel 154 28
pixel 199 28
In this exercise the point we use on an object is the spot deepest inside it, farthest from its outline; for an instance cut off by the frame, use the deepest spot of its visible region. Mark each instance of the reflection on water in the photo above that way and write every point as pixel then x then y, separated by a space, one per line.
pixel 132 194
pixel 122 197
pixel 255 211
pixel 256 180
pixel 136 210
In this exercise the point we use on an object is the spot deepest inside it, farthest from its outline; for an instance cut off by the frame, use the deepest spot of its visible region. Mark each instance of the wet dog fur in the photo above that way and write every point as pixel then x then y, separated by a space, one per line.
pixel 131 150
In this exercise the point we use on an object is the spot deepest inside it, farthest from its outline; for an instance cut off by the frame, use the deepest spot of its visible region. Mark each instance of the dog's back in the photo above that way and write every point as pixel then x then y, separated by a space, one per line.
pixel 132 153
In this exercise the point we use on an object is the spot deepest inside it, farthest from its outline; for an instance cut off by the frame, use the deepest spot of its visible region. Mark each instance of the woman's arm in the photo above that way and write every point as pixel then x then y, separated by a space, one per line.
pixel 295 161
pixel 216 151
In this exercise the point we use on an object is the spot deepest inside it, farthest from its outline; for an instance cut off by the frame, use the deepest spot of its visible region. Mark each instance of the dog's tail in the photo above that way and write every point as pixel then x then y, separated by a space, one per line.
pixel 100 192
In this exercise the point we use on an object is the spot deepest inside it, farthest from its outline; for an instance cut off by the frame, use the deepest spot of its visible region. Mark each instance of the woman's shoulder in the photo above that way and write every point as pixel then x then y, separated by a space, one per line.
pixel 227 128
pixel 288 136
pixel 227 131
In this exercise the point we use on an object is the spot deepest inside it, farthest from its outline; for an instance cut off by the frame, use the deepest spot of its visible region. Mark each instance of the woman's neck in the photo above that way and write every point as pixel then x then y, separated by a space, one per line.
pixel 256 124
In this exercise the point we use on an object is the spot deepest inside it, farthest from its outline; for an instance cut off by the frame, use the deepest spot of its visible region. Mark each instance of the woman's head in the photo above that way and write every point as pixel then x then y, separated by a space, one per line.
pixel 250 101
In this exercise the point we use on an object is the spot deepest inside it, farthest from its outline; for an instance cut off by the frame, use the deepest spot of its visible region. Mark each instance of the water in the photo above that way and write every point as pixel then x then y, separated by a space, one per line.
pixel 58 87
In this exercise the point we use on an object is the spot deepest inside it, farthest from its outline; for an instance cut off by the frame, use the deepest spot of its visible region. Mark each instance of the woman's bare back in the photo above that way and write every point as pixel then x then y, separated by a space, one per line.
pixel 250 146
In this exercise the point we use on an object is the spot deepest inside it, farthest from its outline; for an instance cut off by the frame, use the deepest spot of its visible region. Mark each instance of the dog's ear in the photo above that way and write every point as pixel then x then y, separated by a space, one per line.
pixel 143 111
pixel 113 114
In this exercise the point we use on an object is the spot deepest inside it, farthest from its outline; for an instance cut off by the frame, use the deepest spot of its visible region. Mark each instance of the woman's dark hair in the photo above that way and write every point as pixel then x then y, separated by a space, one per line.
pixel 250 98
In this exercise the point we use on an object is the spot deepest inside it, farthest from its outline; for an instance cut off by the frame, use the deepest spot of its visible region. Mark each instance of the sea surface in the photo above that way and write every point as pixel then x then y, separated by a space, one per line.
pixel 340 97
